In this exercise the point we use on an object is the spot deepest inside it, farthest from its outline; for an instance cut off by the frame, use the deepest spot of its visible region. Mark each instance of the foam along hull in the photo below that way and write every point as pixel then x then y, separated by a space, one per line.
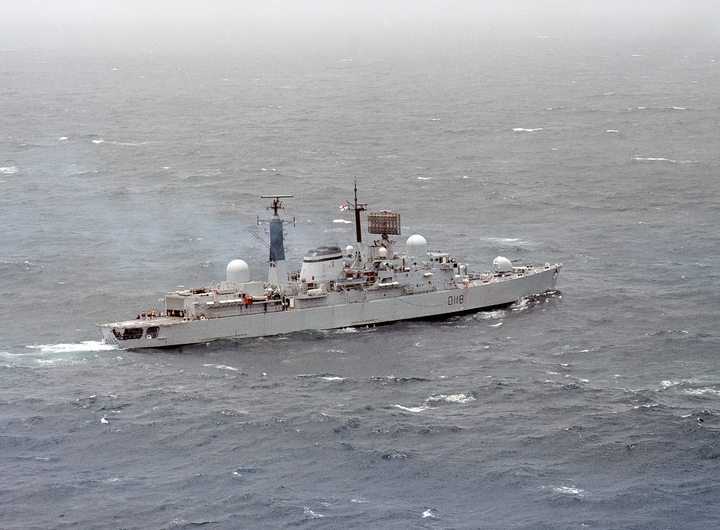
pixel 337 310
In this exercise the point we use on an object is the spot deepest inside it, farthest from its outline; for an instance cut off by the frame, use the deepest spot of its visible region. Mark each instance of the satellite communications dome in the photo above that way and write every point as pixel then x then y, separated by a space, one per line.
pixel 238 271
pixel 416 246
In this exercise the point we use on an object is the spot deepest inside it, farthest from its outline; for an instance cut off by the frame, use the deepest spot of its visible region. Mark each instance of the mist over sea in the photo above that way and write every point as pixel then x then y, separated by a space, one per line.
pixel 133 152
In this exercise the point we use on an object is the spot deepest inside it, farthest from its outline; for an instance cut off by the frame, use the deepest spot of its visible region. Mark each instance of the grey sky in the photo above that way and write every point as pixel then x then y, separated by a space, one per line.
pixel 224 25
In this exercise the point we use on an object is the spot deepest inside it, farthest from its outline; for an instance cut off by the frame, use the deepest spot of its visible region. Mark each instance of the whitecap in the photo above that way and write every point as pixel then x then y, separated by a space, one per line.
pixel 9 170
pixel 428 514
pixel 659 159
pixel 502 240
pixel 221 367
pixel 702 391
pixel 520 129
pixel 569 490
pixel 455 398
pixel 63 138
pixel 489 315
pixel 98 141
pixel 307 511
pixel 611 131
pixel 342 221
pixel 333 378
pixel 521 304
pixel 424 178
pixel 413 409
pixel 496 325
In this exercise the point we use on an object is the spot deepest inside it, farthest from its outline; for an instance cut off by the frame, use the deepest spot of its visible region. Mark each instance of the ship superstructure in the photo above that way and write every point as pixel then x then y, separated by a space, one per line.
pixel 334 288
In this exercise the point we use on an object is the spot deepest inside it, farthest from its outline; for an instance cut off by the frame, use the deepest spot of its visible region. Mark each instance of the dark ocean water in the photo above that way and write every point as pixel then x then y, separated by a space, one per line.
pixel 125 173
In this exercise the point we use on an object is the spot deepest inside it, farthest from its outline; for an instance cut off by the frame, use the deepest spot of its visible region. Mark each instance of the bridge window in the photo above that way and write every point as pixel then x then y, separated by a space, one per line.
pixel 128 334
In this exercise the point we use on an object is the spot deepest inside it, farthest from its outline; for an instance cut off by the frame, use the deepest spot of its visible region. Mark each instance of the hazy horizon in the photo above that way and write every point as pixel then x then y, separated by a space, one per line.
pixel 223 25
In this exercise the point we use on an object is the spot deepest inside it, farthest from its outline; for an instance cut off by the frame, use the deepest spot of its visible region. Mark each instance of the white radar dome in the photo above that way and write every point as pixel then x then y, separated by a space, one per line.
pixel 416 246
pixel 382 252
pixel 238 271
pixel 501 264
pixel 349 250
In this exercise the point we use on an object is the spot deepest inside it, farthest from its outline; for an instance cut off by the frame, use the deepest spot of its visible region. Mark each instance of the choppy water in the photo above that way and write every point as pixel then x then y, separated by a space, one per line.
pixel 126 174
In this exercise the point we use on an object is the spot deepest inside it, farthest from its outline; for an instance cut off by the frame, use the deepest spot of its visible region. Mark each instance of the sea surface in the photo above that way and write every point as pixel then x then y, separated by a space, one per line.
pixel 131 167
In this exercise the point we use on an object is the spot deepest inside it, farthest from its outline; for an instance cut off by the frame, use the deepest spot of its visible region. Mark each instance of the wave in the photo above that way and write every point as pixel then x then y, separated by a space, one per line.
pixel 326 377
pixel 85 346
pixel 513 241
pixel 702 391
pixel 568 490
pixel 691 387
pixel 658 159
pixel 221 367
pixel 309 513
pixel 490 315
pixel 131 144
pixel 413 409
pixel 520 129
pixel 459 399
pixel 455 398
pixel 9 170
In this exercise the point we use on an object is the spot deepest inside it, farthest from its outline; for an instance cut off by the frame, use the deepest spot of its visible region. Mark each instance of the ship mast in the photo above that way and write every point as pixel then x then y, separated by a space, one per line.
pixel 277 273
pixel 359 207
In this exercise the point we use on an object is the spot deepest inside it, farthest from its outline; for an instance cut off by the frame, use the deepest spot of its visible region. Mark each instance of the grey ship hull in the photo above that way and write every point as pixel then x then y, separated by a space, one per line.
pixel 331 310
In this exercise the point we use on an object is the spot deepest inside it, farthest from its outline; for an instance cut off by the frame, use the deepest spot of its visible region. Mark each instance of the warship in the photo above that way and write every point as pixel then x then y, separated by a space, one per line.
pixel 363 285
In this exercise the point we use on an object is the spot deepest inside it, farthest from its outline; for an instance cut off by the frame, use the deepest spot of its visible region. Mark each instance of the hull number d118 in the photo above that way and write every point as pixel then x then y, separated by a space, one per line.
pixel 460 299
